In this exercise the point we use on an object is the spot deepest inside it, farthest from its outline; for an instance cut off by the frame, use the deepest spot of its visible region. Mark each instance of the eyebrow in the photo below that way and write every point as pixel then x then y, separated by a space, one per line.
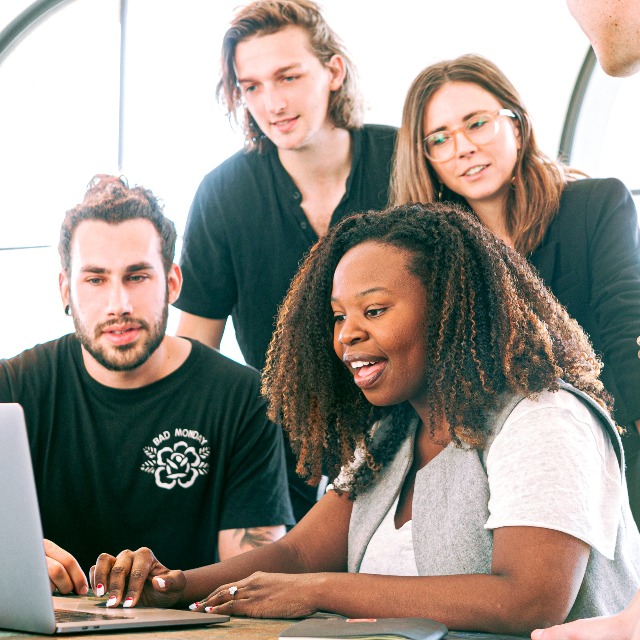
pixel 132 268
pixel 366 292
pixel 278 72
pixel 464 119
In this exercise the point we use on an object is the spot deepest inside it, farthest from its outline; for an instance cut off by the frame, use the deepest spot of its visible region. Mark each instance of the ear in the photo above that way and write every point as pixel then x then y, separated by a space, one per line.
pixel 517 130
pixel 338 71
pixel 63 284
pixel 174 283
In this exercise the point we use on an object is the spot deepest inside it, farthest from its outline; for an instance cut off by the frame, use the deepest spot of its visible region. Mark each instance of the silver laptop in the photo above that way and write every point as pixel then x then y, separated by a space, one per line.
pixel 26 603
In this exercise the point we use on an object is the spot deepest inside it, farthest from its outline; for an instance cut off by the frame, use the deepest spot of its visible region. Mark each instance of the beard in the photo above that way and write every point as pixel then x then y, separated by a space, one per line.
pixel 124 357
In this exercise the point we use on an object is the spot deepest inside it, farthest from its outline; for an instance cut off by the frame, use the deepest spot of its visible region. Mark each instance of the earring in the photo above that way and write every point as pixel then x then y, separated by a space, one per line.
pixel 67 310
pixel 512 182
pixel 440 191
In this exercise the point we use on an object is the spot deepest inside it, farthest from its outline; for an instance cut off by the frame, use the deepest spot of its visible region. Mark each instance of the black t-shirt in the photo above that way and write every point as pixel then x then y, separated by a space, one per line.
pixel 165 466
pixel 247 233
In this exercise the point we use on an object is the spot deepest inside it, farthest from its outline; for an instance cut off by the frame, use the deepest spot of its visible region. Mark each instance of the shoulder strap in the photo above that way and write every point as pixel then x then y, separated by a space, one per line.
pixel 499 419
pixel 605 419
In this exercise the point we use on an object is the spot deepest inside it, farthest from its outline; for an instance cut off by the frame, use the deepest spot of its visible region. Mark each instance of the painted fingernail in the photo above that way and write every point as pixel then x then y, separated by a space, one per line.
pixel 127 603
pixel 111 601
pixel 208 609
pixel 193 606
pixel 100 590
pixel 161 583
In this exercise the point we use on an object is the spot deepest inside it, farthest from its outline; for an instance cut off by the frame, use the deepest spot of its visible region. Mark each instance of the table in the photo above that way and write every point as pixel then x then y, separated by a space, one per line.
pixel 235 629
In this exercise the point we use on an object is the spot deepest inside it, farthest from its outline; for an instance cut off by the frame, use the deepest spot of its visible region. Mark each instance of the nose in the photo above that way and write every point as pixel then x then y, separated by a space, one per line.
pixel 464 146
pixel 274 100
pixel 351 332
pixel 119 303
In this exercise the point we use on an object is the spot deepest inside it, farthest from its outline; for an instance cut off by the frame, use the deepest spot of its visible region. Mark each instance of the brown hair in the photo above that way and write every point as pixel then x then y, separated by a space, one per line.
pixel 492 328
pixel 110 199
pixel 538 180
pixel 264 17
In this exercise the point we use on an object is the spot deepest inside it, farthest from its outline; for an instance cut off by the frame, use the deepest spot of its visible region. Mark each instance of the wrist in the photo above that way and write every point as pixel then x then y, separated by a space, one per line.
pixel 322 592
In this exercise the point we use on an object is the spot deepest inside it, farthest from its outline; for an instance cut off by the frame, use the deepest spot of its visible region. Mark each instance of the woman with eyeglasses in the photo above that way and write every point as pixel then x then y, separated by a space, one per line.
pixel 466 137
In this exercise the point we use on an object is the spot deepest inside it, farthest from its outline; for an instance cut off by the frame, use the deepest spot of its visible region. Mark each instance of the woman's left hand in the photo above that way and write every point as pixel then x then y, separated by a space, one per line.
pixel 263 595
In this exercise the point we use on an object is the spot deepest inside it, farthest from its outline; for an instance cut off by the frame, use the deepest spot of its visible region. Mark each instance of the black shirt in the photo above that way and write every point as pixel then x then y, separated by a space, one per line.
pixel 590 259
pixel 166 466
pixel 247 233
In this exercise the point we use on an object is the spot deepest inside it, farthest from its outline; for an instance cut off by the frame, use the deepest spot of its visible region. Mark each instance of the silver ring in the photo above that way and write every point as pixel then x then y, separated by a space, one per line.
pixel 233 590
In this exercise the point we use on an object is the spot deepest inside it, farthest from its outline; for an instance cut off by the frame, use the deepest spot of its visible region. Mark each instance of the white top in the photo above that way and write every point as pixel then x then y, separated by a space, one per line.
pixel 551 466
pixel 390 550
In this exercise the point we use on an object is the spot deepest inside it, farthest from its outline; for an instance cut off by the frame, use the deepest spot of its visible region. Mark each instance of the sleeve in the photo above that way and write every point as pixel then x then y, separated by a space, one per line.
pixel 6 394
pixel 615 287
pixel 209 284
pixel 553 466
pixel 257 492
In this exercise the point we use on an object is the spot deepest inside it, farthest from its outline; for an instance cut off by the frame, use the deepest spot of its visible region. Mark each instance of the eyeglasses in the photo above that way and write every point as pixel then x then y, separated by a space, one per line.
pixel 480 128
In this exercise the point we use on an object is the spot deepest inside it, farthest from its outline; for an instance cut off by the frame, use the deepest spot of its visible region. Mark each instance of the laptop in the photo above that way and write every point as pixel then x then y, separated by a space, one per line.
pixel 26 603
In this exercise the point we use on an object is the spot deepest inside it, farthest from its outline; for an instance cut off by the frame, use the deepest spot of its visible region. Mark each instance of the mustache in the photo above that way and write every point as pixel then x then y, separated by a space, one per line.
pixel 104 326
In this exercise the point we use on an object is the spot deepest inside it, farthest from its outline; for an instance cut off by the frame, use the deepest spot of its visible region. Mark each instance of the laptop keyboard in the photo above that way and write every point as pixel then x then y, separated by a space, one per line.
pixel 64 615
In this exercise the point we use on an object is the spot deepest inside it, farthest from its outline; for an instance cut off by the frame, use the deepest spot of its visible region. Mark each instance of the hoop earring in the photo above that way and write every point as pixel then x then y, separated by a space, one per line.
pixel 67 310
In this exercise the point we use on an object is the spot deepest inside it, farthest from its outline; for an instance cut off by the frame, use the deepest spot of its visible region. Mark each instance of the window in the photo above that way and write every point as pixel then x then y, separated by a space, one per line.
pixel 62 95
pixel 601 136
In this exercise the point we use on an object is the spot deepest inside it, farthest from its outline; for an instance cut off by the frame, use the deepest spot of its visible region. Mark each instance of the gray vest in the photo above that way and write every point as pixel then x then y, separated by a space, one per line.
pixel 449 537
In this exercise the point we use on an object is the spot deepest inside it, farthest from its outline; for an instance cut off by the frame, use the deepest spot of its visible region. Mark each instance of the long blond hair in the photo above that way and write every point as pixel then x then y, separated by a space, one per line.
pixel 538 180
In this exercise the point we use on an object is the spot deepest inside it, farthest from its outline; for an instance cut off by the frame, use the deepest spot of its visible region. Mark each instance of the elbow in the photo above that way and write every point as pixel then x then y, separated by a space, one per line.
pixel 521 615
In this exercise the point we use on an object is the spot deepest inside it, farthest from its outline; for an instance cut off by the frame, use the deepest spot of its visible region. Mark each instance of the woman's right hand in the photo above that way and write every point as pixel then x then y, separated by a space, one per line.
pixel 136 576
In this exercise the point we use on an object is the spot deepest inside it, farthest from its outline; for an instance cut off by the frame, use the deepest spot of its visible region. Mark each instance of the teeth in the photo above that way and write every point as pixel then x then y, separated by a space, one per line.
pixel 360 363
pixel 474 170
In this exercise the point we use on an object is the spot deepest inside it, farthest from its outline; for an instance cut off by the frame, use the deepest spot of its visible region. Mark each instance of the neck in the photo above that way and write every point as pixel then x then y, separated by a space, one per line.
pixel 327 159
pixel 169 356
pixel 427 445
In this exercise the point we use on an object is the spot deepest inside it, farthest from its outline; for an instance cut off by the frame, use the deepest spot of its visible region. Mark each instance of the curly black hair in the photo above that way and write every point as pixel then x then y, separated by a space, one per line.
pixel 492 328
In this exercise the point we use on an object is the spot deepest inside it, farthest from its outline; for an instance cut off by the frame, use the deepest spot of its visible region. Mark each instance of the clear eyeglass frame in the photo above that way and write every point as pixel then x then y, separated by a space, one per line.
pixel 489 122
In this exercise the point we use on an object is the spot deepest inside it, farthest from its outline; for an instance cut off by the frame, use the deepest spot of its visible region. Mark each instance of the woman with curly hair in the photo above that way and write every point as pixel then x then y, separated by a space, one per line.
pixel 481 477
pixel 466 137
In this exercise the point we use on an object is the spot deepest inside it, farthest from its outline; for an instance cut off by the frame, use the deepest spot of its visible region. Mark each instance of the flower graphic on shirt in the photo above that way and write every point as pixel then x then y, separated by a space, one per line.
pixel 179 464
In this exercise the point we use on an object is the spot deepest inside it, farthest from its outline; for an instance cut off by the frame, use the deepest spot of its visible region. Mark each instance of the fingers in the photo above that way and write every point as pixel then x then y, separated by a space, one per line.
pixel 227 599
pixel 559 632
pixel 65 573
pixel 133 575
pixel 603 628
pixel 128 573
pixel 99 573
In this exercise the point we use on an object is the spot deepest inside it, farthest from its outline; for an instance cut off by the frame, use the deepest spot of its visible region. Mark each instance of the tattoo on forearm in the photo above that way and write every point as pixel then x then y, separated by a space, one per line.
pixel 255 537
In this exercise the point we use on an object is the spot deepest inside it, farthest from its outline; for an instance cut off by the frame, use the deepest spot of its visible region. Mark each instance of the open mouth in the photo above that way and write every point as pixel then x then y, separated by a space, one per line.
pixel 286 124
pixel 367 372
pixel 475 170
pixel 122 335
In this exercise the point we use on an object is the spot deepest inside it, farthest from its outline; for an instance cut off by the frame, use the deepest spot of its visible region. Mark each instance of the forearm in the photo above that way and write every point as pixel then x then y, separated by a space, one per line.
pixel 206 330
pixel 232 542
pixel 479 602
pixel 279 557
